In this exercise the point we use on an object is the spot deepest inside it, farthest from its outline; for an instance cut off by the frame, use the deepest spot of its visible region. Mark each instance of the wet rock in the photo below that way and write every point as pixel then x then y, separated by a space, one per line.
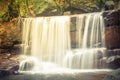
pixel 115 75
pixel 113 62
pixel 112 18
pixel 3 73
pixel 13 47
pixel 8 64
pixel 9 70
pixel 112 37
pixel 112 30
pixel 110 59
pixel 113 52
pixel 73 39
pixel 27 65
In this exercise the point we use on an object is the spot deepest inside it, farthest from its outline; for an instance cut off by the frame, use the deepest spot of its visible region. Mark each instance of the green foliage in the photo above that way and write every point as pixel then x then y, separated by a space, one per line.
pixel 13 9
pixel 38 6
pixel 25 8
pixel 86 5
pixel 100 1
pixel 35 7
pixel 22 8
pixel 3 9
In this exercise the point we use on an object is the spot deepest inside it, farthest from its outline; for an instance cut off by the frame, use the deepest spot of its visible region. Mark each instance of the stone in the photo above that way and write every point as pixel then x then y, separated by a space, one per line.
pixel 9 35
pixel 27 65
pixel 115 75
pixel 112 37
pixel 10 71
pixel 8 65
pixel 9 62
pixel 112 18
pixel 113 62
pixel 110 59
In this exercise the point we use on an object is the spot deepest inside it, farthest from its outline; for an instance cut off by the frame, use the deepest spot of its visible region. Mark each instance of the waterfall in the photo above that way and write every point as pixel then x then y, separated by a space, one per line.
pixel 48 39
pixel 90 30
pixel 90 42
pixel 93 41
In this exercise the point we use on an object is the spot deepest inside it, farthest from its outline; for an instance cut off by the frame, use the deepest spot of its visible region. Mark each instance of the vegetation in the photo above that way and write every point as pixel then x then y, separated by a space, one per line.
pixel 10 9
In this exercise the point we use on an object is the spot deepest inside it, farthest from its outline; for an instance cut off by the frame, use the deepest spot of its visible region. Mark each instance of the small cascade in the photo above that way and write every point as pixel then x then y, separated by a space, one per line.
pixel 90 42
pixel 48 39
pixel 90 30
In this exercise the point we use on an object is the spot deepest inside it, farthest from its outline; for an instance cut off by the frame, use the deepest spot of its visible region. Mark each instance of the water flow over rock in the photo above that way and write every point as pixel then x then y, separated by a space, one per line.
pixel 91 43
pixel 90 30
pixel 48 39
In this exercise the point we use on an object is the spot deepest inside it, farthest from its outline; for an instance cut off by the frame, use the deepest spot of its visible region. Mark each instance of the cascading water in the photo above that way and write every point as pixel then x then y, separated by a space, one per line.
pixel 92 29
pixel 48 39
pixel 91 42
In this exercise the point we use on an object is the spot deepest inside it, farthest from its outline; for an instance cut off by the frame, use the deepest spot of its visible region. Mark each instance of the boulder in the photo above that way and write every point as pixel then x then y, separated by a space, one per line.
pixel 115 75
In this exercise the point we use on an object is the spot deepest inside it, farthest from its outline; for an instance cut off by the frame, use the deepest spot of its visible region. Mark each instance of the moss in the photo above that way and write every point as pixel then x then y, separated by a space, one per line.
pixel 25 8
pixel 3 8
pixel 10 9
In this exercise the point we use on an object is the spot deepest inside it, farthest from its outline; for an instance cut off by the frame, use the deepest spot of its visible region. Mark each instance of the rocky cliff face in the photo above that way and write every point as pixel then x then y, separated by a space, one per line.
pixel 10 34
pixel 112 32
pixel 112 38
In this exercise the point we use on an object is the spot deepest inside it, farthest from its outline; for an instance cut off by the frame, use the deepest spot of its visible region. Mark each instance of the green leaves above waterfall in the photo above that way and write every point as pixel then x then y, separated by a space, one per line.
pixel 3 8
pixel 26 8
pixel 54 7
pixel 39 8
pixel 10 9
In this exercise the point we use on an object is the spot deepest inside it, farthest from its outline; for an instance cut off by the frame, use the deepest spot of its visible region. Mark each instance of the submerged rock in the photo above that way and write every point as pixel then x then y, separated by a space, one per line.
pixel 115 75
pixel 27 65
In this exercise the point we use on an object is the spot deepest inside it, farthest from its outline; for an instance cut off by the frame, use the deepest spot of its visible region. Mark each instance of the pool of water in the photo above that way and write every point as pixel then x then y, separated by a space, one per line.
pixel 96 74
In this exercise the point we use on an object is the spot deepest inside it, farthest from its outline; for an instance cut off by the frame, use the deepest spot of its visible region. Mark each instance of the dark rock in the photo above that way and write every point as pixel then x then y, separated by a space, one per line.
pixel 110 59
pixel 112 18
pixel 113 62
pixel 102 63
pixel 9 71
pixel 112 37
pixel 3 72
pixel 112 28
pixel 115 75
pixel 10 35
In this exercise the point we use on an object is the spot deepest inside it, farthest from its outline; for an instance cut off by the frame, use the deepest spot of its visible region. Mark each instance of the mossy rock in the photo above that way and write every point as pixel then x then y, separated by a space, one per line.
pixel 3 8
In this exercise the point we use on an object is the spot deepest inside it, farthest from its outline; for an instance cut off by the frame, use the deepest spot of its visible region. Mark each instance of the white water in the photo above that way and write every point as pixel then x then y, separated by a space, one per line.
pixel 90 36
pixel 90 30
pixel 48 39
